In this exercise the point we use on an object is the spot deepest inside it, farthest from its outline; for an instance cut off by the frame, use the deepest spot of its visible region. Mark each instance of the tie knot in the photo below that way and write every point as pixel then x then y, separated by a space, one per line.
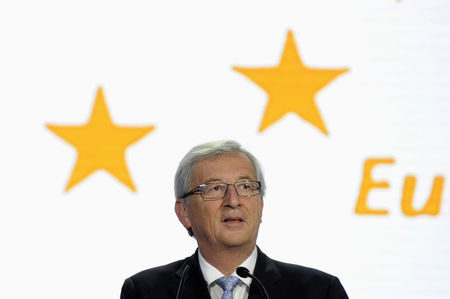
pixel 228 283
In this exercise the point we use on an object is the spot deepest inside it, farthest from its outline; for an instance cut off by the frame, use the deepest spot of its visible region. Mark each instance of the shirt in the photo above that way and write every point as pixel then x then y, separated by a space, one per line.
pixel 211 274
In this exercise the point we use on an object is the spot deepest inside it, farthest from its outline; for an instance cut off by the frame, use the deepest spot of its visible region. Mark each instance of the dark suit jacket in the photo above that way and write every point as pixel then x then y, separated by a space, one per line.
pixel 281 280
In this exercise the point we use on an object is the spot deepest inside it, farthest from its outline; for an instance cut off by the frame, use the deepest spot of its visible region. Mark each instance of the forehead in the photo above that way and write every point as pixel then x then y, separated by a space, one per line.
pixel 228 167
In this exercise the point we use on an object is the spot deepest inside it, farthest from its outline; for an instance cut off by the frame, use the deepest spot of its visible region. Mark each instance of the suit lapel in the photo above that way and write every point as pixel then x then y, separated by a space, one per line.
pixel 267 272
pixel 194 286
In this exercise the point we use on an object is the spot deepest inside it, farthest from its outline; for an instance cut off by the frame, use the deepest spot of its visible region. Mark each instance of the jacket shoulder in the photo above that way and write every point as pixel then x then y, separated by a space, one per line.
pixel 305 273
pixel 158 274
pixel 305 282
pixel 147 283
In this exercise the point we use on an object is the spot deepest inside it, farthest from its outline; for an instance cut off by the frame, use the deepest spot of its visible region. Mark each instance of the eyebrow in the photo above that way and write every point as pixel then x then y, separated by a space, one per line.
pixel 242 177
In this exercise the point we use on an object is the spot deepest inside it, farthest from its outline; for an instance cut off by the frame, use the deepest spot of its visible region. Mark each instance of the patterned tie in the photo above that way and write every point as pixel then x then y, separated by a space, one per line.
pixel 228 283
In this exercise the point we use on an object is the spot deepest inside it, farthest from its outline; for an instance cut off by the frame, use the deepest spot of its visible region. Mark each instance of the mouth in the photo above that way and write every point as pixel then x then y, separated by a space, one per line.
pixel 233 220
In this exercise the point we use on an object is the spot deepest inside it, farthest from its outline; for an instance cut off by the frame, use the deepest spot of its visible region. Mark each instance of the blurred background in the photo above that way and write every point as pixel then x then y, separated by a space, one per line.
pixel 170 65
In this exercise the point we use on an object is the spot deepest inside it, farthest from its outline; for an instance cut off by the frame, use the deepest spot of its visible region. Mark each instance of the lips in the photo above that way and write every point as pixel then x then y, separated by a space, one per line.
pixel 232 219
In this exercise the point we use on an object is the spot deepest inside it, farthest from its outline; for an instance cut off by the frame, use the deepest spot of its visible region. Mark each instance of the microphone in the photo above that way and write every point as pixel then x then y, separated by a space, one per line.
pixel 244 273
pixel 180 285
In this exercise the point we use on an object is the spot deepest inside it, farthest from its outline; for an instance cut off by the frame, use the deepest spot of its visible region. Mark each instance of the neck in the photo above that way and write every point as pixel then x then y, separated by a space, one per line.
pixel 226 260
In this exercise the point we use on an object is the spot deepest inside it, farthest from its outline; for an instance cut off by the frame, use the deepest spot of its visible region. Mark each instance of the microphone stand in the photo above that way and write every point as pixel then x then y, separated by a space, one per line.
pixel 180 286
pixel 244 273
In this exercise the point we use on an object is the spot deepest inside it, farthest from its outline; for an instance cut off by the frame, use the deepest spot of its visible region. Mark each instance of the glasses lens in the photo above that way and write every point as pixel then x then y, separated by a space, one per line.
pixel 247 188
pixel 214 190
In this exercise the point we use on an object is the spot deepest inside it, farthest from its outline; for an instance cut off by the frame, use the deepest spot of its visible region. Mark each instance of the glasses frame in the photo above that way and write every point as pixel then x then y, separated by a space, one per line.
pixel 199 189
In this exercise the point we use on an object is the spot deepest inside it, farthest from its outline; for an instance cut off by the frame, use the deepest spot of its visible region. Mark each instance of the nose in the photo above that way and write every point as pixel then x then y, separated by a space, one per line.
pixel 231 198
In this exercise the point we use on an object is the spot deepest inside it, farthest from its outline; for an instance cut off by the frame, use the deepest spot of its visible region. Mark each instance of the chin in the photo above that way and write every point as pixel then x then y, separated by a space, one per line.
pixel 236 241
pixel 235 244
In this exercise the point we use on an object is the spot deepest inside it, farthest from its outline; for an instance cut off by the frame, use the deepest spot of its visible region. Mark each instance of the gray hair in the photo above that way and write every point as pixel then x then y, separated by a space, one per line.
pixel 183 176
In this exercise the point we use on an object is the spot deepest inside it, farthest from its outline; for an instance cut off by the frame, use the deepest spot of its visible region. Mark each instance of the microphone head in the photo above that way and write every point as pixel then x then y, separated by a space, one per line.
pixel 242 272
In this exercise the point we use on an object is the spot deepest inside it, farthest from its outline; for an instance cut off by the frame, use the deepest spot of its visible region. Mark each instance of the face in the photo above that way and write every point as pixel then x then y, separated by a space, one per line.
pixel 232 221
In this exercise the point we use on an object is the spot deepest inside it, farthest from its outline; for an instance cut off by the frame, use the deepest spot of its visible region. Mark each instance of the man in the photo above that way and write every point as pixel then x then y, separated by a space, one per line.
pixel 219 189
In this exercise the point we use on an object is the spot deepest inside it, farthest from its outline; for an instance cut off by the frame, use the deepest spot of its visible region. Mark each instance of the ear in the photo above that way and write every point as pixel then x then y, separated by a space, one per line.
pixel 182 213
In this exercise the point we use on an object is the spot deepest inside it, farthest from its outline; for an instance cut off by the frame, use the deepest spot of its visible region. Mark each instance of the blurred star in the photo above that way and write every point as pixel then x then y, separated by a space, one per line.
pixel 291 87
pixel 100 144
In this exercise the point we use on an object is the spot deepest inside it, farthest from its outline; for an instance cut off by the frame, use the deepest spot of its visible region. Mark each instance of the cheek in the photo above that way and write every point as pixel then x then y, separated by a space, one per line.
pixel 258 208
pixel 205 214
pixel 195 213
pixel 210 212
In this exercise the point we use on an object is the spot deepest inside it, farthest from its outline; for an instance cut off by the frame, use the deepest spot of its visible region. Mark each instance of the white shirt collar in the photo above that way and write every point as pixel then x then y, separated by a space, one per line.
pixel 211 274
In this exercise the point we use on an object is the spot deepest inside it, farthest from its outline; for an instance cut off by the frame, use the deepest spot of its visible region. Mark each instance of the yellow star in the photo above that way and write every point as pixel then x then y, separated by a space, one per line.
pixel 291 87
pixel 100 144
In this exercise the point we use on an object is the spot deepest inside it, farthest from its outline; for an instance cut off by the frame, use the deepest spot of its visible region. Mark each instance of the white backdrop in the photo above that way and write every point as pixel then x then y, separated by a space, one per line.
pixel 170 65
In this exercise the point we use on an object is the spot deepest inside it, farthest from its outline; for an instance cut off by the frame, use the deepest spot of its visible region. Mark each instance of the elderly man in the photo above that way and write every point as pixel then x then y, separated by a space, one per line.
pixel 219 189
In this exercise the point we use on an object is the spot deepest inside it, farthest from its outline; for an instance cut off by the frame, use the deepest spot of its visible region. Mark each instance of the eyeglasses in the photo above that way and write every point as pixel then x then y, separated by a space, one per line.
pixel 213 191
